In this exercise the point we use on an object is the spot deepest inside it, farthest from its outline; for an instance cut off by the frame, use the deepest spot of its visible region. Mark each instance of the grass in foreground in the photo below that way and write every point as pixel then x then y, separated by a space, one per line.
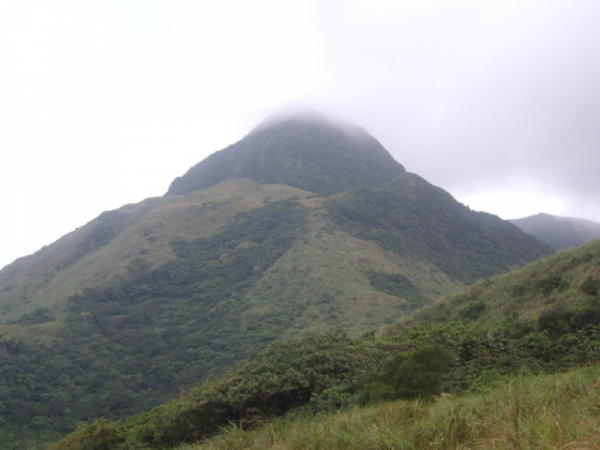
pixel 560 411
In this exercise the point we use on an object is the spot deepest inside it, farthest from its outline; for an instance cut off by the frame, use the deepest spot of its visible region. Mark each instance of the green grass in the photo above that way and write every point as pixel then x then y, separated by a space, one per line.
pixel 560 411
pixel 51 275
pixel 325 277
pixel 522 295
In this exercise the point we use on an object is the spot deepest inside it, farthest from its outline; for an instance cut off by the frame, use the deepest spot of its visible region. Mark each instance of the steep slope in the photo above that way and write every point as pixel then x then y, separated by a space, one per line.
pixel 561 289
pixel 307 151
pixel 559 232
pixel 544 318
pixel 412 217
pixel 144 301
pixel 122 242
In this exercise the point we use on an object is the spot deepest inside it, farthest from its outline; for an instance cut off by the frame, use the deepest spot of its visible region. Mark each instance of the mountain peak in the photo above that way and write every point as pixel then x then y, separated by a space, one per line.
pixel 559 232
pixel 300 148
pixel 292 115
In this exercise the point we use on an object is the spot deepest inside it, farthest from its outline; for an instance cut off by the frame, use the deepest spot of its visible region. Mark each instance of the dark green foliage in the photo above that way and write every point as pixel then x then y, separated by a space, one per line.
pixel 309 153
pixel 556 321
pixel 334 398
pixel 411 217
pixel 549 283
pixel 590 286
pixel 414 375
pixel 131 346
pixel 285 376
pixel 102 229
pixel 398 285
pixel 560 320
pixel 473 310
pixel 37 316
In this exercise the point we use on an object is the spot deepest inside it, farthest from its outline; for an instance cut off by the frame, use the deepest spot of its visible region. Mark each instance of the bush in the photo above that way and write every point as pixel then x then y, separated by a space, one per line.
pixel 416 375
pixel 99 435
pixel 590 286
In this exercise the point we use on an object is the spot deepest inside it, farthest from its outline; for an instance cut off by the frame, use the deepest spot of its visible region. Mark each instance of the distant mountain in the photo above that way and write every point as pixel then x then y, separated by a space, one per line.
pixel 301 225
pixel 559 232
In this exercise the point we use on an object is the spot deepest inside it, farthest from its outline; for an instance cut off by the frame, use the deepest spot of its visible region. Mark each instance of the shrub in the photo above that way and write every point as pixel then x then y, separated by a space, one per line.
pixel 414 375
pixel 99 435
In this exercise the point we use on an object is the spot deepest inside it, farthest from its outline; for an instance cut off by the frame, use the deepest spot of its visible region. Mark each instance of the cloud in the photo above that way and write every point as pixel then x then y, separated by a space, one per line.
pixel 478 97
pixel 105 101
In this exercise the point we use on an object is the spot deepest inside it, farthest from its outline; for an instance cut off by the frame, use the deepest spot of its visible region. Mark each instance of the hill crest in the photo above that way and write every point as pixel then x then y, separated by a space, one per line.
pixel 559 232
pixel 306 151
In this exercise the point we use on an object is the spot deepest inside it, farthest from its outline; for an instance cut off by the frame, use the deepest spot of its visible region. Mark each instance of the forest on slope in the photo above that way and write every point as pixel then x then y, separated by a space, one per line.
pixel 493 336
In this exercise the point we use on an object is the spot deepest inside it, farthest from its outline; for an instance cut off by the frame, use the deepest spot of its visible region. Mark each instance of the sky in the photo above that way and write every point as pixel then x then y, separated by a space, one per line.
pixel 105 102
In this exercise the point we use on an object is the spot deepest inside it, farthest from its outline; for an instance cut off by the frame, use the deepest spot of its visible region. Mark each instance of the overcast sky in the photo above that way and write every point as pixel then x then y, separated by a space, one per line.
pixel 105 102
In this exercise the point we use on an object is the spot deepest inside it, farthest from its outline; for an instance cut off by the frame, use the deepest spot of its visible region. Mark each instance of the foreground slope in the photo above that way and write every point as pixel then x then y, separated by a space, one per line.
pixel 550 411
pixel 544 318
pixel 561 289
pixel 559 232
pixel 151 298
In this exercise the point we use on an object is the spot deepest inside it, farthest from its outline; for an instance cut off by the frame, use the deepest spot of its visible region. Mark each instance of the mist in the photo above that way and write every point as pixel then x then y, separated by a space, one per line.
pixel 106 102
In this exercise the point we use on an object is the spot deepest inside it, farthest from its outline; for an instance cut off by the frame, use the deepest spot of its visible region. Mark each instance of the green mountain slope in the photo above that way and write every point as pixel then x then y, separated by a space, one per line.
pixel 559 232
pixel 412 217
pixel 149 299
pixel 544 318
pixel 562 288
pixel 118 243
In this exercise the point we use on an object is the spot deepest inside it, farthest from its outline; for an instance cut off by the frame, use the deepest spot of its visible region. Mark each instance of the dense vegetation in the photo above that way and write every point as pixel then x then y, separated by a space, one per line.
pixel 523 412
pixel 129 347
pixel 126 347
pixel 310 153
pixel 332 371
pixel 411 216
pixel 149 300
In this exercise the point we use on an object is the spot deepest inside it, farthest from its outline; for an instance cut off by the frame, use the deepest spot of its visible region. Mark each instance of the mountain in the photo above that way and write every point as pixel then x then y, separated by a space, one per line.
pixel 302 225
pixel 559 232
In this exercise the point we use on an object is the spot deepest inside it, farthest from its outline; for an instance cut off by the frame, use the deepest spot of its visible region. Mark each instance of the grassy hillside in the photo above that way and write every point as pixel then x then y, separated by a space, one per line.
pixel 530 321
pixel 565 284
pixel 145 301
pixel 412 217
pixel 163 293
pixel 549 411
pixel 112 246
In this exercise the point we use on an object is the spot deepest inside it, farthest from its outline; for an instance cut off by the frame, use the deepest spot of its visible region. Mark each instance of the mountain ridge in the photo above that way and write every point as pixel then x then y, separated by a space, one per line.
pixel 559 232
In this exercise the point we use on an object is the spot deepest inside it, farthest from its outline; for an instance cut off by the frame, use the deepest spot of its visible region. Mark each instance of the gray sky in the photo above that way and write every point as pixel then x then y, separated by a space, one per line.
pixel 104 102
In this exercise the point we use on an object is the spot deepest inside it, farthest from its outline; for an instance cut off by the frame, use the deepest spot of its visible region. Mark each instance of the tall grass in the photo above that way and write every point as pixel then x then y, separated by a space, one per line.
pixel 543 412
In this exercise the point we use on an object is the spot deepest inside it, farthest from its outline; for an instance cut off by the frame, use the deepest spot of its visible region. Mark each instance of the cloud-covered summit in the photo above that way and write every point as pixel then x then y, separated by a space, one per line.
pixel 304 150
